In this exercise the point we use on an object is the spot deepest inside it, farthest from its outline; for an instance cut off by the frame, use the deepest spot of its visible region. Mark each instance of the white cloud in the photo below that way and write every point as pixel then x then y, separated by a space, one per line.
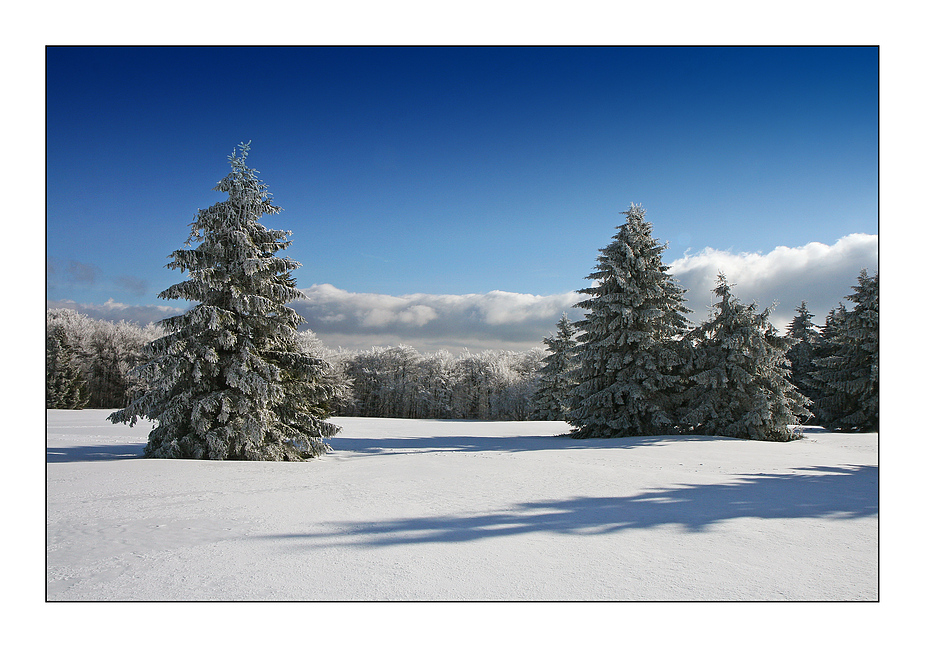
pixel 115 311
pixel 64 274
pixel 818 273
pixel 417 315
pixel 497 319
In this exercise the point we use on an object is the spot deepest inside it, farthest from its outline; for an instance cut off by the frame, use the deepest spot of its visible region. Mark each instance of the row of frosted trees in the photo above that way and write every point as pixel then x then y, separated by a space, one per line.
pixel 89 364
pixel 400 382
pixel 636 366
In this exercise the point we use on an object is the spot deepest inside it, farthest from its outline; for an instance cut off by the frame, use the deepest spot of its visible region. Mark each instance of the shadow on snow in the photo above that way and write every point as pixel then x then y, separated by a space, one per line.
pixel 842 492
pixel 95 453
pixel 406 445
pixel 386 446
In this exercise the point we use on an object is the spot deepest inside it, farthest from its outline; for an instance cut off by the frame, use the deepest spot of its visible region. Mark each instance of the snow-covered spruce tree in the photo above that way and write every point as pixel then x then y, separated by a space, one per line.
pixel 805 338
pixel 630 345
pixel 848 372
pixel 228 380
pixel 556 379
pixel 739 385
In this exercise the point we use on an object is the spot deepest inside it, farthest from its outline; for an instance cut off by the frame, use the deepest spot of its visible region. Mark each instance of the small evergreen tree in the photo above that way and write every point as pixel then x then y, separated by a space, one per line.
pixel 65 388
pixel 739 385
pixel 630 342
pixel 847 373
pixel 228 380
pixel 805 339
pixel 556 379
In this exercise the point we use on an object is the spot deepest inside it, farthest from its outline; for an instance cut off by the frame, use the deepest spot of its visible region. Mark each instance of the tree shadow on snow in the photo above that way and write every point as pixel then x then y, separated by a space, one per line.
pixel 439 443
pixel 841 492
pixel 95 453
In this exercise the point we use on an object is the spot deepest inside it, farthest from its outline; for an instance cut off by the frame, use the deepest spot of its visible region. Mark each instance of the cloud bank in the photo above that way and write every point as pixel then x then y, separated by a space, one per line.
pixel 114 311
pixel 63 274
pixel 497 320
pixel 817 273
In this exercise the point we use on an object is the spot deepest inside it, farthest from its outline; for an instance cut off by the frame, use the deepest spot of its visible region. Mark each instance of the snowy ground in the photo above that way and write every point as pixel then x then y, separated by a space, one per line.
pixel 440 510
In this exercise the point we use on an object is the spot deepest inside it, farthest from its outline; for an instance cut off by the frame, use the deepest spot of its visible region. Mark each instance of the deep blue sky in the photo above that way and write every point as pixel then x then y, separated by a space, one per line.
pixel 453 170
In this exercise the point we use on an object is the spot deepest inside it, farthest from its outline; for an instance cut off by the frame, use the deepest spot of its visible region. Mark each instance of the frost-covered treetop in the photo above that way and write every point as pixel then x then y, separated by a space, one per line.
pixel 235 266
pixel 628 351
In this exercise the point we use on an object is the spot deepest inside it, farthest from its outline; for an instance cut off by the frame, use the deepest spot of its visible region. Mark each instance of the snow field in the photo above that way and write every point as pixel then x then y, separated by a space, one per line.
pixel 463 510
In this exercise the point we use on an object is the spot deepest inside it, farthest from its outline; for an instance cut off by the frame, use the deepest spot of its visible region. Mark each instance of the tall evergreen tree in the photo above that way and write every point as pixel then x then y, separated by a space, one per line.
pixel 848 373
pixel 739 385
pixel 556 374
pixel 630 350
pixel 805 338
pixel 229 380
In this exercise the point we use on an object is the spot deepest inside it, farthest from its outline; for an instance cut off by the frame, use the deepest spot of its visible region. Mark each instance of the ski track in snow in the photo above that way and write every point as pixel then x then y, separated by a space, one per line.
pixel 463 510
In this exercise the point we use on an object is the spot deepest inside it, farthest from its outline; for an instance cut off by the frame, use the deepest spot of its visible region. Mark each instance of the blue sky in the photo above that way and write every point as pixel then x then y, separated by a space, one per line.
pixel 491 173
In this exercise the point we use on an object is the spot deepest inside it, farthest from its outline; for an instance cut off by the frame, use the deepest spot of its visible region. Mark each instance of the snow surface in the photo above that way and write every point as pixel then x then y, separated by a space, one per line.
pixel 462 511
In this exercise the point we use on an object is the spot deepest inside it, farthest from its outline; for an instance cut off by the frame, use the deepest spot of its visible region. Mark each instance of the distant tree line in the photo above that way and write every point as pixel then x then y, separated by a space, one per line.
pixel 88 364
pixel 400 382
pixel 834 367
pixel 87 361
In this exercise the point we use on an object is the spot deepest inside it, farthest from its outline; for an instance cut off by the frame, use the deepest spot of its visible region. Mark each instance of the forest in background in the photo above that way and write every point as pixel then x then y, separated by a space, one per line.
pixel 89 364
